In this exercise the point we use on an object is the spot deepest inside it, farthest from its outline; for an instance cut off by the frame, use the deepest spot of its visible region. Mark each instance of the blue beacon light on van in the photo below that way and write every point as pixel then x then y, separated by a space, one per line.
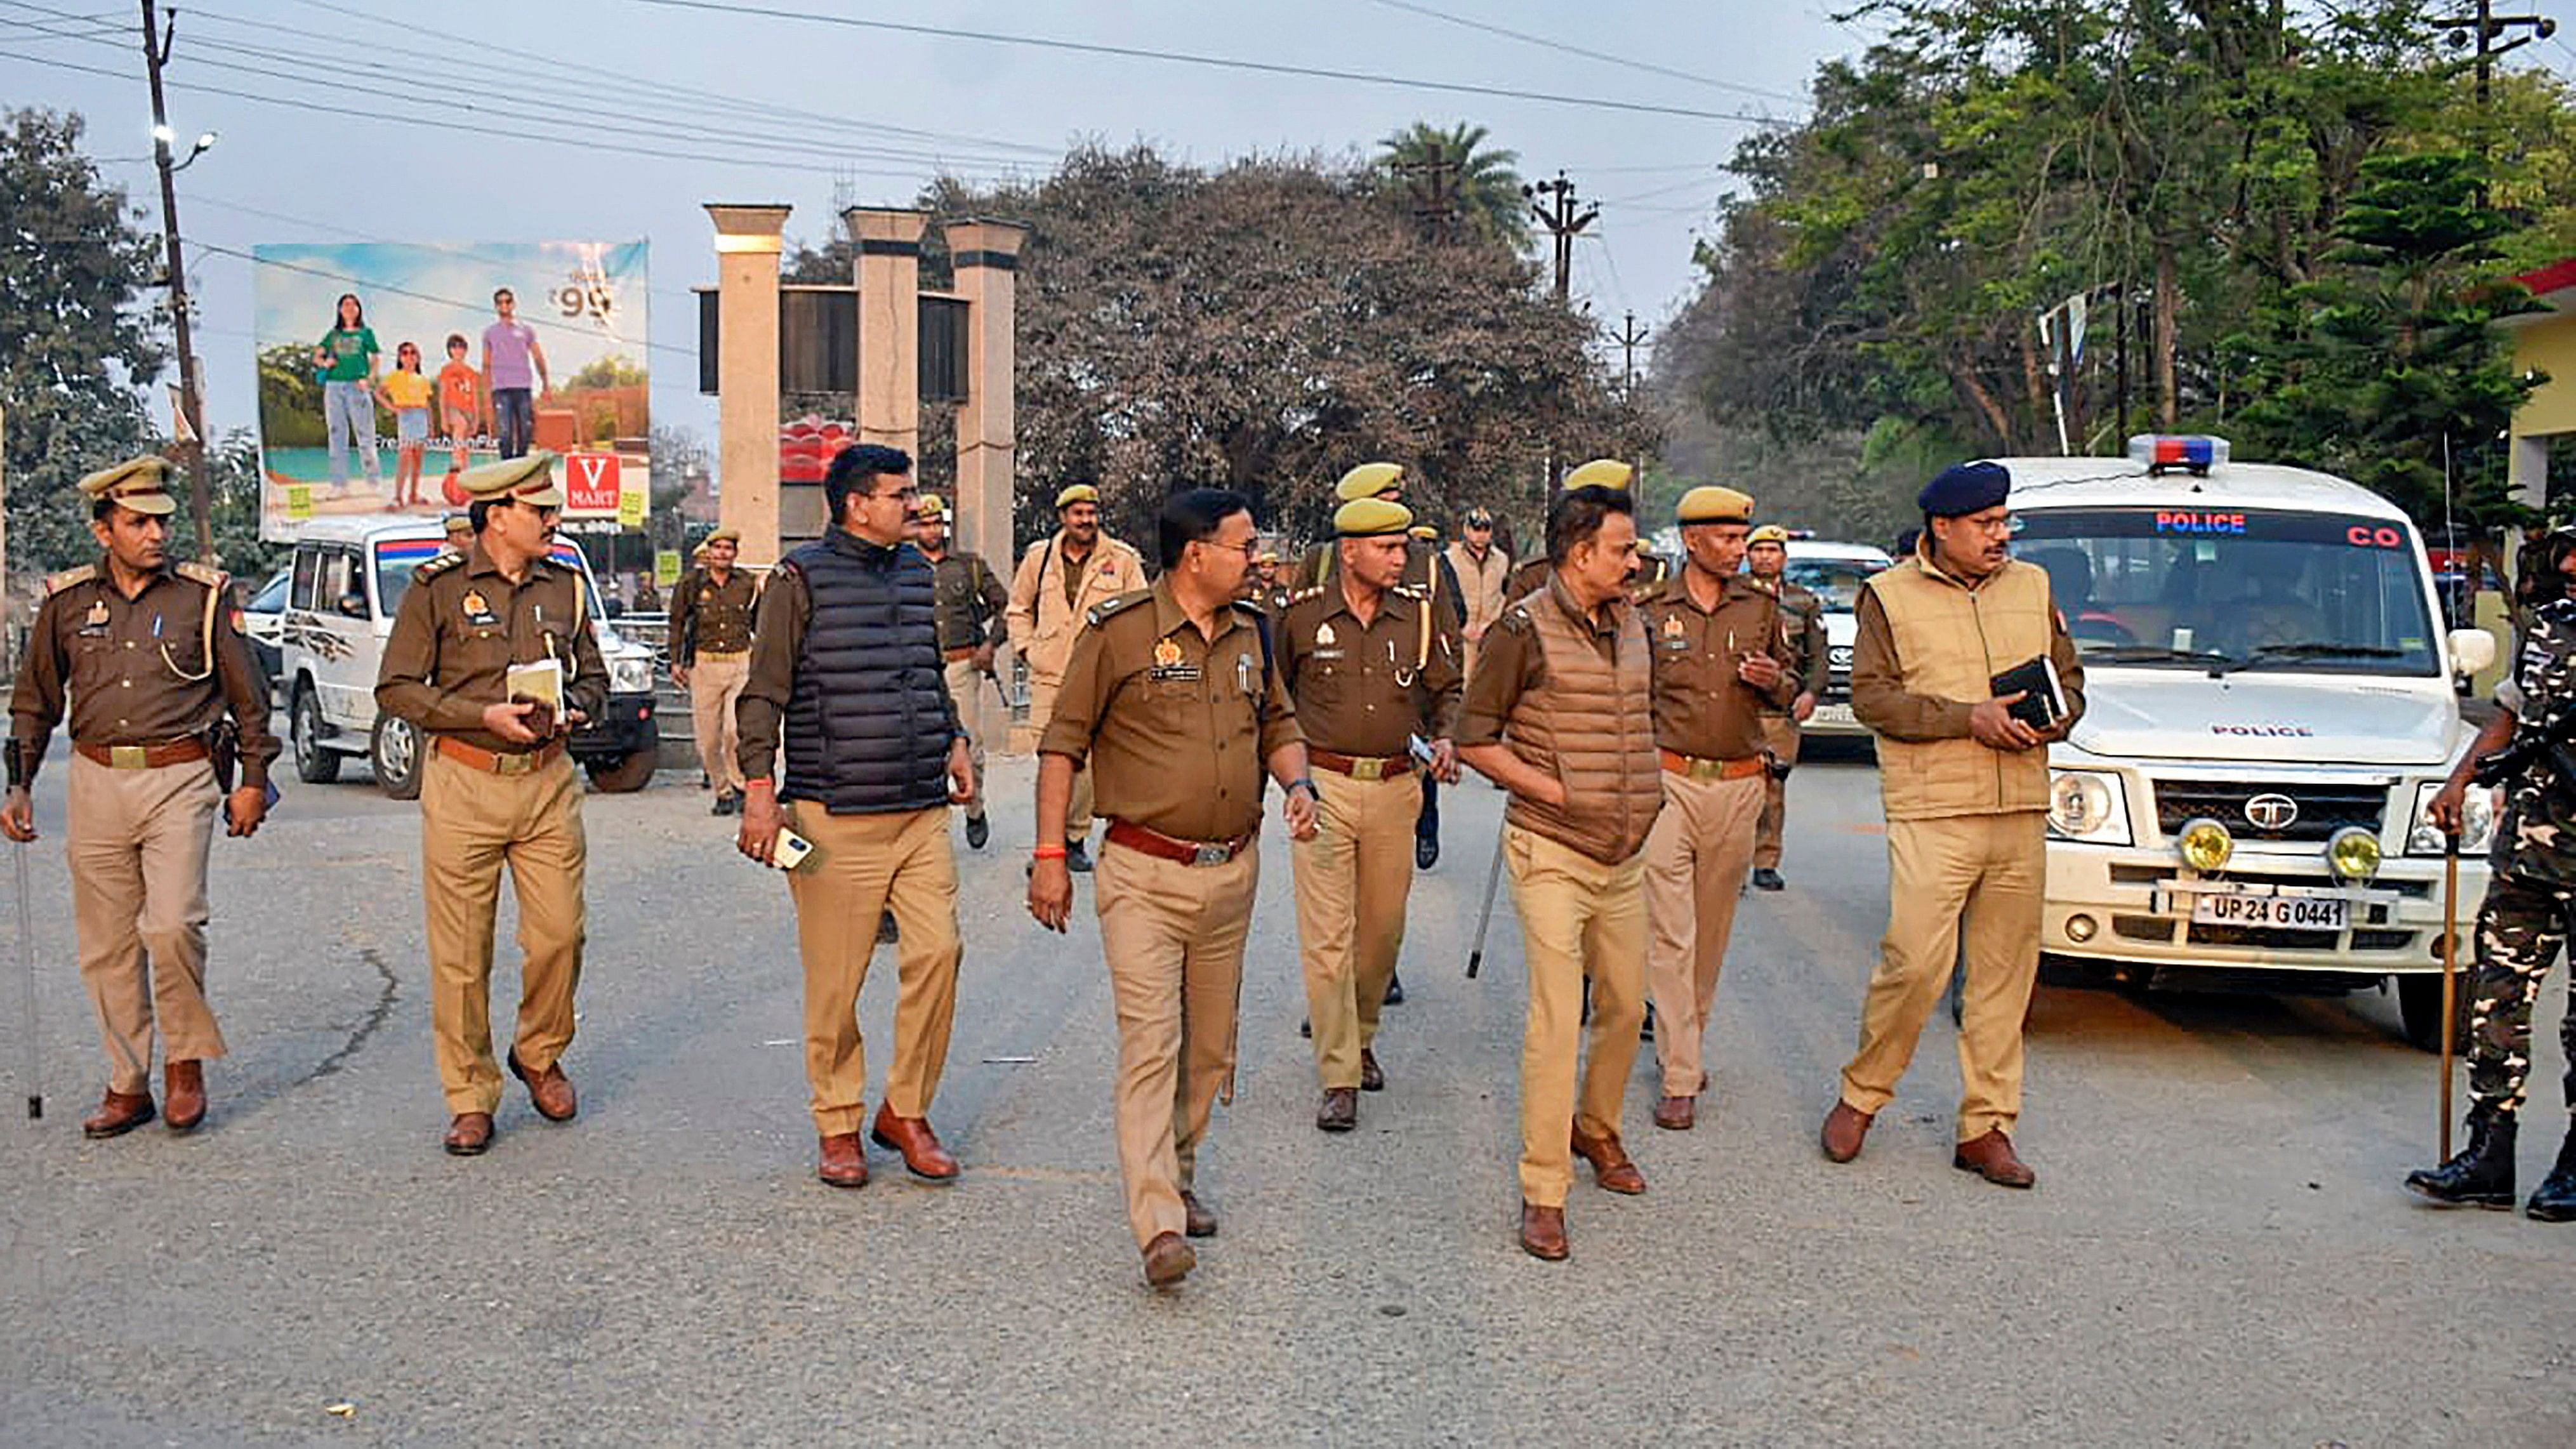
pixel 2193 453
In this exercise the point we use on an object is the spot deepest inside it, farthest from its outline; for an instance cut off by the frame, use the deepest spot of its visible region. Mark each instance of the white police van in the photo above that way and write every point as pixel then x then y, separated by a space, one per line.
pixel 1834 572
pixel 2270 708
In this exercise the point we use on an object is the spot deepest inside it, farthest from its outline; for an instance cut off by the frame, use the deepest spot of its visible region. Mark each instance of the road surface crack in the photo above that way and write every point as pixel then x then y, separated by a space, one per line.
pixel 375 1020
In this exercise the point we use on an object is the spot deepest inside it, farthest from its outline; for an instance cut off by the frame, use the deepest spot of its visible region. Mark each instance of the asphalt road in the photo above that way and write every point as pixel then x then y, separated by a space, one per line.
pixel 2218 1251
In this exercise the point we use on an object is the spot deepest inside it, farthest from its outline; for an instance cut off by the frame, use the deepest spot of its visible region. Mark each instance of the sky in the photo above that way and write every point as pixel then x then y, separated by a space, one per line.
pixel 359 120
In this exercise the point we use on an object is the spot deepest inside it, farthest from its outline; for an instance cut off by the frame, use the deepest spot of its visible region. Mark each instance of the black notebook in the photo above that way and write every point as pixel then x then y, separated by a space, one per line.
pixel 2042 703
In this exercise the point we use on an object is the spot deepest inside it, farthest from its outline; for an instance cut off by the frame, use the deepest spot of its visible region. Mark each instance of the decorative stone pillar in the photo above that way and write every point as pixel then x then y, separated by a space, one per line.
pixel 986 255
pixel 747 249
pixel 889 278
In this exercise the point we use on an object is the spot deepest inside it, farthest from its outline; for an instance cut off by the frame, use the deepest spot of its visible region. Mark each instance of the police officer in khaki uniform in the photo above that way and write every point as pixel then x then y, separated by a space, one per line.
pixel 711 611
pixel 1172 695
pixel 971 605
pixel 1652 569
pixel 1370 673
pixel 1802 629
pixel 1716 644
pixel 144 654
pixel 460 534
pixel 1060 579
pixel 1561 714
pixel 1965 788
pixel 497 787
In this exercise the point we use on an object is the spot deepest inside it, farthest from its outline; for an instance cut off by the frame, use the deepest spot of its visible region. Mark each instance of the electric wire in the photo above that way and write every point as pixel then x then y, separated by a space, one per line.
pixel 1544 43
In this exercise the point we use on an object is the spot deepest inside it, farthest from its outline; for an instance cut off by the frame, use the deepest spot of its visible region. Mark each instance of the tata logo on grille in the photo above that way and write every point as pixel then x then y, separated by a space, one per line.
pixel 2272 812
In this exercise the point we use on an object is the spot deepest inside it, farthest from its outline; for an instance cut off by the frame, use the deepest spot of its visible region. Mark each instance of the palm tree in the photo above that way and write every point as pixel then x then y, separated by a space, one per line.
pixel 1454 183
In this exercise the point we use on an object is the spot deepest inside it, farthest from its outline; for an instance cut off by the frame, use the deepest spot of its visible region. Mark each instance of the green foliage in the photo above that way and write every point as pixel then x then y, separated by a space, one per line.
pixel 1431 172
pixel 614 370
pixel 290 397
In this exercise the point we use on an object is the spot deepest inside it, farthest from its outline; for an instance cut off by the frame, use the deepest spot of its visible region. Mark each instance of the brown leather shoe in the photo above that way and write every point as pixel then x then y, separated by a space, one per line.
pixel 183 1095
pixel 1610 1165
pixel 1371 1079
pixel 1543 1231
pixel 1992 1158
pixel 1845 1128
pixel 1202 1218
pixel 843 1161
pixel 923 1157
pixel 550 1091
pixel 1340 1111
pixel 469 1134
pixel 1677 1114
pixel 1168 1260
pixel 118 1113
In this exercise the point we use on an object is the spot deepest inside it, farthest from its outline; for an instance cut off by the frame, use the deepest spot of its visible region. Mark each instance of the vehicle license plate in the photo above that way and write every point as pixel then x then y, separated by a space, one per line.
pixel 1839 714
pixel 2279 912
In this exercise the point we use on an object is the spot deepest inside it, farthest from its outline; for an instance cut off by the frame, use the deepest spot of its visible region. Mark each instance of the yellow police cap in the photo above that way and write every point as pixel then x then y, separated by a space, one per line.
pixel 1426 532
pixel 1268 556
pixel 1769 533
pixel 1601 473
pixel 1712 504
pixel 930 505
pixel 722 535
pixel 1077 493
pixel 1368 480
pixel 523 480
pixel 135 483
pixel 1371 518
pixel 460 523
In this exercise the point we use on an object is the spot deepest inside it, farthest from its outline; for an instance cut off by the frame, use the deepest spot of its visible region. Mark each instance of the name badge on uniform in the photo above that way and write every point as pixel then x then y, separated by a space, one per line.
pixel 95 621
pixel 478 612
pixel 1168 665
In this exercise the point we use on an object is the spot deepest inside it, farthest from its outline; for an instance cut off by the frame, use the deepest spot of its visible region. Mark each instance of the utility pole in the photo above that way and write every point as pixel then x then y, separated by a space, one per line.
pixel 156 54
pixel 1564 219
pixel 1433 184
pixel 2482 28
pixel 1629 335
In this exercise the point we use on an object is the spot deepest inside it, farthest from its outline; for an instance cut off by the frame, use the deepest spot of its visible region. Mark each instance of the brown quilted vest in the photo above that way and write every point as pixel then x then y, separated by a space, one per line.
pixel 1591 724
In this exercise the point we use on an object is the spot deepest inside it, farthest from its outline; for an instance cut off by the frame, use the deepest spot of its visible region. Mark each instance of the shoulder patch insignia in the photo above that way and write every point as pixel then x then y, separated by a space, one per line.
pixel 1413 591
pixel 198 573
pixel 56 583
pixel 1311 591
pixel 1517 618
pixel 1251 606
pixel 1107 607
pixel 436 566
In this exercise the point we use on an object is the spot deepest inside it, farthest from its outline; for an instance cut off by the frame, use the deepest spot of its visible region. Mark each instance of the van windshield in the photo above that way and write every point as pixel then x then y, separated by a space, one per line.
pixel 397 557
pixel 2250 589
pixel 1834 581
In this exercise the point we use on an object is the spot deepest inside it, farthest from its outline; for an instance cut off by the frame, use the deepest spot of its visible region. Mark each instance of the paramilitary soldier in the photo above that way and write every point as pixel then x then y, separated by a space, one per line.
pixel 1561 714
pixel 1369 670
pixel 2531 898
pixel 144 654
pixel 711 612
pixel 971 605
pixel 1060 579
pixel 1802 629
pixel 845 681
pixel 1172 695
pixel 497 788
pixel 1964 784
pixel 1717 646
pixel 1651 569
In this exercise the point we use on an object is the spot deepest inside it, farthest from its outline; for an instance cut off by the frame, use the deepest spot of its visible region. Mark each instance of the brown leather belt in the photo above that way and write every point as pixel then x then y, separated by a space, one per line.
pixel 1187 852
pixel 1691 767
pixel 498 763
pixel 1360 767
pixel 953 655
pixel 144 757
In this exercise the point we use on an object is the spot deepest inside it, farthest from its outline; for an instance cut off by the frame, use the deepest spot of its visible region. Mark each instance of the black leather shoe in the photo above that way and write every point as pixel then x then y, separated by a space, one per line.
pixel 1394 991
pixel 1077 859
pixel 1426 851
pixel 978 830
pixel 2555 1202
pixel 2480 1174
pixel 727 803
pixel 1767 879
pixel 1306 1028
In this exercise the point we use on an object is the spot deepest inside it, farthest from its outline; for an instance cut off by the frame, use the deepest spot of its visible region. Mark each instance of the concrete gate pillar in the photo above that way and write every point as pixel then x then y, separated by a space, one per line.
pixel 889 277
pixel 747 248
pixel 986 256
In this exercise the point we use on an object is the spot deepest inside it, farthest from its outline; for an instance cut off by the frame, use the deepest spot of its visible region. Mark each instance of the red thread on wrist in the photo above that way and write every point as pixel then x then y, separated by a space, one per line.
pixel 1048 852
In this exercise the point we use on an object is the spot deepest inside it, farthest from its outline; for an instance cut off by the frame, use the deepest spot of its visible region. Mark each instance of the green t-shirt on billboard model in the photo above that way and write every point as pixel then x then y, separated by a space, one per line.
pixel 353 352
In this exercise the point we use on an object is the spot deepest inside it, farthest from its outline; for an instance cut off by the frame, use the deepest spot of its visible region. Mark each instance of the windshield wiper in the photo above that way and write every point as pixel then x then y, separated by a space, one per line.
pixel 2312 649
pixel 2151 654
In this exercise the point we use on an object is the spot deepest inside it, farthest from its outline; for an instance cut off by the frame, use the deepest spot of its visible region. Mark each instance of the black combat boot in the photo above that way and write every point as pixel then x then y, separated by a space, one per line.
pixel 2482 1174
pixel 2555 1202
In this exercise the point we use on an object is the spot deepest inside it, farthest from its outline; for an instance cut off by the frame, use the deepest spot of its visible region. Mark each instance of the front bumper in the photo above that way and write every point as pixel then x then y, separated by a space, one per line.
pixel 624 727
pixel 2139 907
pixel 1833 714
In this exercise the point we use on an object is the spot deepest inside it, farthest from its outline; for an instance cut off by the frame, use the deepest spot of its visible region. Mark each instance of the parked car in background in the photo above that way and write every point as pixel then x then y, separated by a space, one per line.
pixel 263 621
pixel 1834 572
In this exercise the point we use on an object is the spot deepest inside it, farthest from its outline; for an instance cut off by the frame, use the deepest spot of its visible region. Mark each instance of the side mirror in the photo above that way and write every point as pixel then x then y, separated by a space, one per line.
pixel 2472 651
pixel 354 605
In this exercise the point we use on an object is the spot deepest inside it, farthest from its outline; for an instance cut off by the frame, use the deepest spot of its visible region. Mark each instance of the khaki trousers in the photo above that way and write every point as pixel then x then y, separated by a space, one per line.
pixel 1696 857
pixel 1781 734
pixel 472 823
pixel 137 843
pixel 1173 935
pixel 715 683
pixel 864 866
pixel 966 691
pixel 1352 881
pixel 1578 918
pixel 1993 869
pixel 1077 816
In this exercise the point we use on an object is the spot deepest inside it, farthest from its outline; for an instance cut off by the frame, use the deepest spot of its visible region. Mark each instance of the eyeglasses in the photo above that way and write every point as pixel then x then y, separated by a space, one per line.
pixel 905 494
pixel 1249 548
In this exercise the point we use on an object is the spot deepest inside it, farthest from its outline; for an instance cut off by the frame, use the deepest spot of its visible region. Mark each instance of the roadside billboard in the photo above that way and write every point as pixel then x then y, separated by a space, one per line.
pixel 386 368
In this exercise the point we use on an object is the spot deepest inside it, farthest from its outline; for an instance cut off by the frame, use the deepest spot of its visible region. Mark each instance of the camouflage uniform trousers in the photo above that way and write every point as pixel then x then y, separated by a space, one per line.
pixel 2521 929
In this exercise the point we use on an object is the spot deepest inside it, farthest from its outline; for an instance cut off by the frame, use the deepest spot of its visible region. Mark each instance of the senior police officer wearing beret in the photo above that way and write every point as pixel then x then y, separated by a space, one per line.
pixel 846 680
pixel 144 655
pixel 1369 671
pixel 1715 638
pixel 1802 630
pixel 1173 696
pixel 497 787
pixel 1965 788
pixel 711 657
pixel 1561 714
pixel 971 605
pixel 1060 580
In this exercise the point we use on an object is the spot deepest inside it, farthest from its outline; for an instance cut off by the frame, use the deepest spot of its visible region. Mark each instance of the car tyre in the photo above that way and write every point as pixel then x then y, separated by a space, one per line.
pixel 624 776
pixel 314 764
pixel 394 750
pixel 2419 1006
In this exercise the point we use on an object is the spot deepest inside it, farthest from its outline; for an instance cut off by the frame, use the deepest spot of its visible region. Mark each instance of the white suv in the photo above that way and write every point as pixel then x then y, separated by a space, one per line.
pixel 2270 707
pixel 348 578
pixel 1834 572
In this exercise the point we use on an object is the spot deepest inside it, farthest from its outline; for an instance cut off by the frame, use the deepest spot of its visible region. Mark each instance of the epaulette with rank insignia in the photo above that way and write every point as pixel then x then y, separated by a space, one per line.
pixel 1311 591
pixel 1416 592
pixel 56 583
pixel 197 573
pixel 439 565
pixel 1125 601
pixel 1517 619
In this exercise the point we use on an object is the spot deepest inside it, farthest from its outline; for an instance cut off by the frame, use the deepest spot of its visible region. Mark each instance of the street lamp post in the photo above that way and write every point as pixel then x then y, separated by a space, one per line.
pixel 156 52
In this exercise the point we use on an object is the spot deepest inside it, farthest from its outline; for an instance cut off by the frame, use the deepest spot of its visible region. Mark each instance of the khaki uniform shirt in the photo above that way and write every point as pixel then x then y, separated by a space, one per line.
pixel 971 601
pixel 1802 628
pixel 460 628
pixel 1878 678
pixel 1701 708
pixel 135 671
pixel 1049 599
pixel 1177 726
pixel 710 617
pixel 1364 690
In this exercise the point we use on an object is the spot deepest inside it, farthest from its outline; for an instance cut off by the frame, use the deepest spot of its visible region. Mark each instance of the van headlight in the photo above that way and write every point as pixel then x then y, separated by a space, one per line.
pixel 2477 821
pixel 2088 805
pixel 632 674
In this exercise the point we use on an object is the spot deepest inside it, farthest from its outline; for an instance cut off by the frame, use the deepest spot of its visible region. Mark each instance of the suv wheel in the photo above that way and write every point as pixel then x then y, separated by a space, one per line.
pixel 620 777
pixel 314 765
pixel 394 750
